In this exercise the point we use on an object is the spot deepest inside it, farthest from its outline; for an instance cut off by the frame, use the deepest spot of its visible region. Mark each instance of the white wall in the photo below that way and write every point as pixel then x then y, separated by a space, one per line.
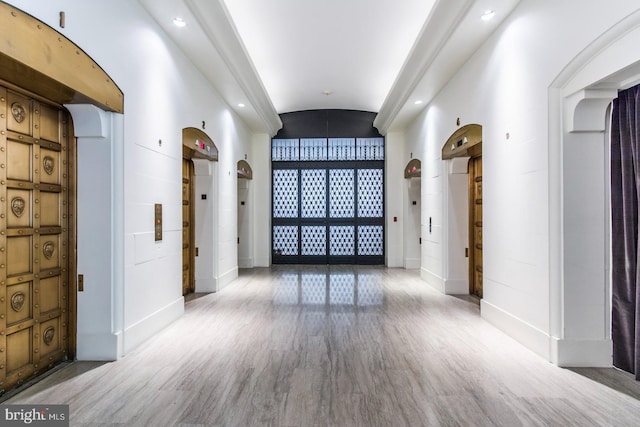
pixel 504 87
pixel 245 223
pixel 412 226
pixel 394 200
pixel 261 164
pixel 163 93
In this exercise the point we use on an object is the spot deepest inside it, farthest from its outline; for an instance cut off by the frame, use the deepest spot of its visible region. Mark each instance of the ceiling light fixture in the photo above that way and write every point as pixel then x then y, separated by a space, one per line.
pixel 326 92
pixel 488 15
pixel 418 102
pixel 179 22
pixel 241 105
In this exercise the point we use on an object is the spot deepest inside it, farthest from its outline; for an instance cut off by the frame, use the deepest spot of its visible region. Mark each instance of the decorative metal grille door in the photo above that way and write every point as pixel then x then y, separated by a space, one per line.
pixel 328 201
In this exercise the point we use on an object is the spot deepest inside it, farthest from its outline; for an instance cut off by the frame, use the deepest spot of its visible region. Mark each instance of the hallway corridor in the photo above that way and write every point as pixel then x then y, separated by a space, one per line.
pixel 335 346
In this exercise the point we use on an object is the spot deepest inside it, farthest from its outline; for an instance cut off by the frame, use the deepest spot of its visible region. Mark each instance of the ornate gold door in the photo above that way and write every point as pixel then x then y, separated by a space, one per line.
pixel 188 251
pixel 35 250
pixel 475 226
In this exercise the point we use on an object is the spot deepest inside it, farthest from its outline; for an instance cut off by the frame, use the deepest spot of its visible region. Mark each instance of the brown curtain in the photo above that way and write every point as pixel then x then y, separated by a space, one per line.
pixel 625 191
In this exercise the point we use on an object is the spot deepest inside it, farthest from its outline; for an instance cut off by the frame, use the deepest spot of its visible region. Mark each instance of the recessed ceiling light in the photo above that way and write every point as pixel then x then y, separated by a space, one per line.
pixel 418 102
pixel 179 22
pixel 488 15
pixel 327 92
pixel 241 105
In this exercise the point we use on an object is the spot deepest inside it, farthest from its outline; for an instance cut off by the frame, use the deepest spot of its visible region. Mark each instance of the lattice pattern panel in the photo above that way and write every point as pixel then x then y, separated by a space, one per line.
pixel 370 148
pixel 342 289
pixel 286 292
pixel 285 240
pixel 342 149
pixel 314 240
pixel 313 149
pixel 341 193
pixel 370 240
pixel 369 290
pixel 370 187
pixel 314 288
pixel 314 193
pixel 341 240
pixel 285 150
pixel 285 193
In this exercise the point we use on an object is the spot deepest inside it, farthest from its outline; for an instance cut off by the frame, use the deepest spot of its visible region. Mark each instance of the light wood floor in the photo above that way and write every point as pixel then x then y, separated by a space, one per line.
pixel 335 347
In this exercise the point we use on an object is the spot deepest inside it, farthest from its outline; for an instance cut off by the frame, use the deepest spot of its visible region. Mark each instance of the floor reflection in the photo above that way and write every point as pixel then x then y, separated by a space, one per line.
pixel 328 288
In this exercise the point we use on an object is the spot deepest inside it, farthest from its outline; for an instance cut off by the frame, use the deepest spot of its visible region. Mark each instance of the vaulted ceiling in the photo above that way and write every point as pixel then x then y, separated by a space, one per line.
pixel 385 56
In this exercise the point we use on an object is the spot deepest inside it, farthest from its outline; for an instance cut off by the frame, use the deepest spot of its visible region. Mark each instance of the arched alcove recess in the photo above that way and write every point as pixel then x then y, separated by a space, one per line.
pixel 462 219
pixel 45 62
pixel 245 219
pixel 412 221
pixel 200 150
pixel 413 169
pixel 244 170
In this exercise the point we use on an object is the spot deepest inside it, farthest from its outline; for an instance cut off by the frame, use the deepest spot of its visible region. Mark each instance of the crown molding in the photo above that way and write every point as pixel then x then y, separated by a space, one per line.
pixel 216 23
pixel 437 30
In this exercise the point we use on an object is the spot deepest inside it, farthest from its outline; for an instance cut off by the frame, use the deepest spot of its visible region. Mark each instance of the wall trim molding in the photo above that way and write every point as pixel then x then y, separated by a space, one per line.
pixel 528 335
pixel 582 353
pixel 433 280
pixel 226 278
pixel 146 328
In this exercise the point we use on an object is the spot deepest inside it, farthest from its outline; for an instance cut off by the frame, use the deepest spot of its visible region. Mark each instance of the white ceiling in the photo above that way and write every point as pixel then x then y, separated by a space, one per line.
pixel 279 56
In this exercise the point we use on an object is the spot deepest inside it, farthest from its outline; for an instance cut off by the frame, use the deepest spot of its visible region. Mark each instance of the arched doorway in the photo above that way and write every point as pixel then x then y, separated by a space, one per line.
pixel 412 223
pixel 196 147
pixel 245 223
pixel 45 224
pixel 580 288
pixel 463 150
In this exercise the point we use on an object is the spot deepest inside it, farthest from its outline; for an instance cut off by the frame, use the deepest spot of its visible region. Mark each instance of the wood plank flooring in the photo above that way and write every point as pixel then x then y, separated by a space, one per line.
pixel 339 346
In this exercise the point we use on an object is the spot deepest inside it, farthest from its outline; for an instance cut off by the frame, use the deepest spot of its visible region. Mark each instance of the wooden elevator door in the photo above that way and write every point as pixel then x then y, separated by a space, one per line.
pixel 188 215
pixel 475 226
pixel 35 250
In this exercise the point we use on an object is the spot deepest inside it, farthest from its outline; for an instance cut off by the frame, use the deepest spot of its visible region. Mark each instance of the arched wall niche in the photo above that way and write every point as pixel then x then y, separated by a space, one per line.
pixel 48 64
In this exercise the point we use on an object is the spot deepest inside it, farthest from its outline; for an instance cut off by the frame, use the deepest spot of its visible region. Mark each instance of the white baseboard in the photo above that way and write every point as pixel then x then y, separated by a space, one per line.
pixel 456 287
pixel 411 263
pixel 262 262
pixel 144 329
pixel 582 353
pixel 529 336
pixel 207 285
pixel 245 262
pixel 226 278
pixel 436 282
pixel 99 347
